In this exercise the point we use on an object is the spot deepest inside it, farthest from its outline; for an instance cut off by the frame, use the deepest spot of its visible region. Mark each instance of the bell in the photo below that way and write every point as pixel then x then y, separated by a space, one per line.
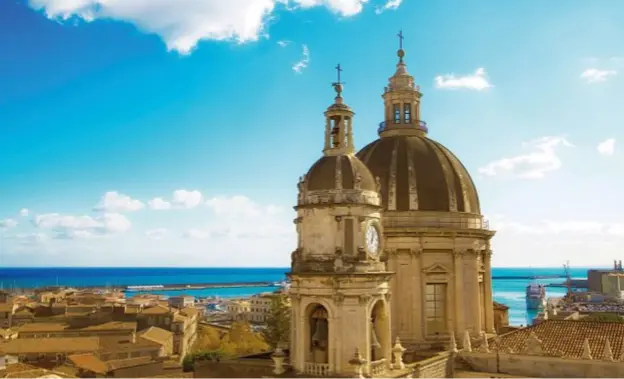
pixel 320 331
pixel 374 341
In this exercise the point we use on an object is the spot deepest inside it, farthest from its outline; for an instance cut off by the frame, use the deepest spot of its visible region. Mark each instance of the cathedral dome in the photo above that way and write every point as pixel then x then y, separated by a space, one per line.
pixel 418 173
pixel 339 172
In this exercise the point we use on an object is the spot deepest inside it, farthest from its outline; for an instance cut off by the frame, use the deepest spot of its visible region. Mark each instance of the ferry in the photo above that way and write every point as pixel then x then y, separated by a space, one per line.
pixel 536 296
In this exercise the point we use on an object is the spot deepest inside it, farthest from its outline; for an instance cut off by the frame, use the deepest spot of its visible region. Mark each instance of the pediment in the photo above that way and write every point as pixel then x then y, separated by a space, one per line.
pixel 436 268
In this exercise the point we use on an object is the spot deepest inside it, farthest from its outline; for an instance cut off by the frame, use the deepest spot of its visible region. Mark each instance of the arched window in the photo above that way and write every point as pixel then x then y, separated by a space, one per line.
pixel 407 113
pixel 397 113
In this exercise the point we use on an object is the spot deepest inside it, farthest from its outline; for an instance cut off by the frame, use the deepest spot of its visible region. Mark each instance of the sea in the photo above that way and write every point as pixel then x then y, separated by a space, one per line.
pixel 508 292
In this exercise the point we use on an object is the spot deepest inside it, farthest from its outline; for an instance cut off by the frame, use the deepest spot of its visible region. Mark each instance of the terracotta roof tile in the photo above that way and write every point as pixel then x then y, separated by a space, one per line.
pixel 155 334
pixel 89 362
pixel 565 338
pixel 125 363
pixel 50 345
pixel 500 306
pixel 156 310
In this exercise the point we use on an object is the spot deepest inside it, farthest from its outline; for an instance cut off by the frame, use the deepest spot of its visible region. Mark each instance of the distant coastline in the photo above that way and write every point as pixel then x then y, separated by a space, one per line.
pixel 509 292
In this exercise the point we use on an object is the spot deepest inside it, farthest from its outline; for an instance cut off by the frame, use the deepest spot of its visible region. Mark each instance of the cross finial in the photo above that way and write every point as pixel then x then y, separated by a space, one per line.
pixel 400 35
pixel 338 70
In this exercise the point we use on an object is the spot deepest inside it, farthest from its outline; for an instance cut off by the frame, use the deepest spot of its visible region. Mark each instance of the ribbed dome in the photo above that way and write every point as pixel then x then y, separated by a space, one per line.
pixel 418 173
pixel 324 173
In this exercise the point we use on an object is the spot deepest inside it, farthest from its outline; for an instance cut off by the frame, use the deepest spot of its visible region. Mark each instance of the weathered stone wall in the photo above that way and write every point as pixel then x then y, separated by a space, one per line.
pixel 438 366
pixel 542 367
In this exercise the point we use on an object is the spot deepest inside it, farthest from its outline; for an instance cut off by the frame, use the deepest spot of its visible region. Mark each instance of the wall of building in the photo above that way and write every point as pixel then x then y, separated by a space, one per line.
pixel 541 366
pixel 143 371
pixel 438 366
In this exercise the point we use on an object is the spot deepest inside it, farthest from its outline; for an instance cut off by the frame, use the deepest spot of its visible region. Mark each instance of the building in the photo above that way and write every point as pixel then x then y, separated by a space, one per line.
pixel 238 310
pixel 553 349
pixel 501 317
pixel 180 302
pixel 607 282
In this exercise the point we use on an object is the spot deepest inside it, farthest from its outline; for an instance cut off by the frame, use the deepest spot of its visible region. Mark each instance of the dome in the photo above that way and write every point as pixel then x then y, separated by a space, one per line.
pixel 423 174
pixel 322 175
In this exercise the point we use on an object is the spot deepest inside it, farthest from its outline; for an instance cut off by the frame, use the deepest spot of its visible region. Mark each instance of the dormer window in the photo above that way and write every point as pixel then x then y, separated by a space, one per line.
pixel 397 113
pixel 407 113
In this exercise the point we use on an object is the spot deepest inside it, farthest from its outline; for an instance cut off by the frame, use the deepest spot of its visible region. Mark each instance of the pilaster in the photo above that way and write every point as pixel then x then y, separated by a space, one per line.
pixel 487 285
pixel 458 260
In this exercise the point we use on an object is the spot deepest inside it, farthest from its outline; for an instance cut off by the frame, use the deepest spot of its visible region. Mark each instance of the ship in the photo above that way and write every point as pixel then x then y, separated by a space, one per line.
pixel 535 296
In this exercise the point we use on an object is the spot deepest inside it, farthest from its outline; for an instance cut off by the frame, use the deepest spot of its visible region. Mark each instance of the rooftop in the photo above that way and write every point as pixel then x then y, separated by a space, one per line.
pixel 50 345
pixel 565 338
pixel 59 327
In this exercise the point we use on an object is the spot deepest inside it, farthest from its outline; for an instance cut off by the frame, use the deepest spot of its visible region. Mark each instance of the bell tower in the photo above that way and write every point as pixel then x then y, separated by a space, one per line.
pixel 339 293
pixel 402 102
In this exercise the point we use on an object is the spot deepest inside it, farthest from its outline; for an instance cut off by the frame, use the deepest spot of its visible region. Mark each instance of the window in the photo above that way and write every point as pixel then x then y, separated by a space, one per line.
pixel 397 113
pixel 435 307
pixel 407 113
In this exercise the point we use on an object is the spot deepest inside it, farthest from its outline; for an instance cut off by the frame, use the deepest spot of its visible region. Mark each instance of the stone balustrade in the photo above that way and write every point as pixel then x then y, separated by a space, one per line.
pixel 317 369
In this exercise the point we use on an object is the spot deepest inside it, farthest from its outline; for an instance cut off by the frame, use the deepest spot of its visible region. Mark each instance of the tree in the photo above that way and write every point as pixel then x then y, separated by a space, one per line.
pixel 241 340
pixel 278 322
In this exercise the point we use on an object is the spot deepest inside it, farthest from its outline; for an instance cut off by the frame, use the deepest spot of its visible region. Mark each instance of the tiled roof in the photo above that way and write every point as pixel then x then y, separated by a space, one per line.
pixel 565 338
pixel 6 307
pixel 156 310
pixel 125 363
pixel 500 306
pixel 190 312
pixel 158 335
pixel 119 346
pixel 88 362
pixel 59 326
pixel 50 345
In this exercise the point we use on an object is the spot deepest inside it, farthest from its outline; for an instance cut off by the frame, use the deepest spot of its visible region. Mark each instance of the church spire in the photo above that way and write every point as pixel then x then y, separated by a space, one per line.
pixel 402 101
pixel 338 123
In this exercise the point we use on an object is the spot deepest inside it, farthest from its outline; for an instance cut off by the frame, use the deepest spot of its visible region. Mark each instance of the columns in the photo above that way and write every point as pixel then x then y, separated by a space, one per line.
pixel 475 293
pixel 327 133
pixel 418 325
pixel 350 134
pixel 458 260
pixel 487 285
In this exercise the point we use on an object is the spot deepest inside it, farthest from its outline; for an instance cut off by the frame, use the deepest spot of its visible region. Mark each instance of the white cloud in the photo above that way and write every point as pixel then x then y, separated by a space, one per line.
pixel 159 204
pixel 115 202
pixel 283 43
pixel 303 63
pixel 594 75
pixel 546 227
pixel 156 234
pixel 8 223
pixel 82 226
pixel 238 217
pixel 181 24
pixel 23 212
pixel 31 238
pixel 186 199
pixel 477 81
pixel 535 164
pixel 196 234
pixel 389 5
pixel 607 147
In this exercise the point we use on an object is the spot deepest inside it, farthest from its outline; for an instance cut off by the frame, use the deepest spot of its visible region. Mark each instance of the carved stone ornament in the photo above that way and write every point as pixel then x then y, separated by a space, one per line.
pixel 378 184
pixel 338 298
pixel 338 218
pixel 388 297
pixel 533 345
pixel 357 181
pixel 364 299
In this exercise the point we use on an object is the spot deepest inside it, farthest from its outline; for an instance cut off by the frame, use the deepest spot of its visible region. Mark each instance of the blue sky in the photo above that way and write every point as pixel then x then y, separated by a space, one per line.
pixel 215 108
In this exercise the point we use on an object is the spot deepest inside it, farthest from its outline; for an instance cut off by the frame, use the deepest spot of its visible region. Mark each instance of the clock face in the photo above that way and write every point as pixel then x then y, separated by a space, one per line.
pixel 372 240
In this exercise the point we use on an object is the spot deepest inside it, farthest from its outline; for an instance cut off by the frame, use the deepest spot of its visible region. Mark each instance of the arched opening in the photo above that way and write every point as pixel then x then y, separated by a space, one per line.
pixel 380 338
pixel 317 340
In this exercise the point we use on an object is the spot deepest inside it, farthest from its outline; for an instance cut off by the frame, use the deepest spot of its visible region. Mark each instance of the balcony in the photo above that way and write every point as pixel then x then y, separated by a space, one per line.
pixel 409 221
pixel 316 369
pixel 422 125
